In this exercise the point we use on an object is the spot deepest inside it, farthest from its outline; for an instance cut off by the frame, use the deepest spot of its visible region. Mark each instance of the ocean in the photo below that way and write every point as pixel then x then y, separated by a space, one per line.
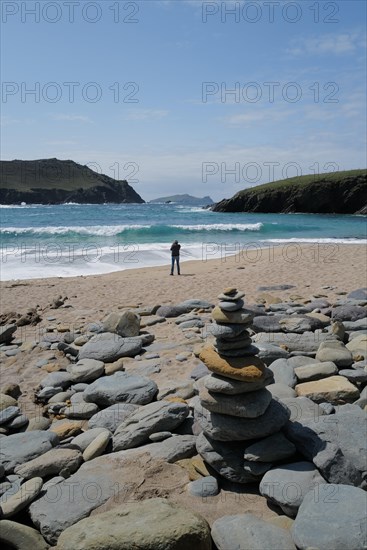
pixel 67 240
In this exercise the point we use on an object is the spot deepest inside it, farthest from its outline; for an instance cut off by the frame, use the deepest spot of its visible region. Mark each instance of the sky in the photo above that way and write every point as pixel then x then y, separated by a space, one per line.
pixel 185 96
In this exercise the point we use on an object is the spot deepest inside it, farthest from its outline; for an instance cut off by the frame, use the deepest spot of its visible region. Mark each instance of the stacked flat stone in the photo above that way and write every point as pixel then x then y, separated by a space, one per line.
pixel 234 408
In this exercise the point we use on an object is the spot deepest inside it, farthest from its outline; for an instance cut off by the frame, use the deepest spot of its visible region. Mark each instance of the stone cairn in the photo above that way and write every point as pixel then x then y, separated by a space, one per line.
pixel 239 419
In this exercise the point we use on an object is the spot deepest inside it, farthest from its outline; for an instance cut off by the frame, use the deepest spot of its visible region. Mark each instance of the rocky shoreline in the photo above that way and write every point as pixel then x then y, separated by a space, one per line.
pixel 145 427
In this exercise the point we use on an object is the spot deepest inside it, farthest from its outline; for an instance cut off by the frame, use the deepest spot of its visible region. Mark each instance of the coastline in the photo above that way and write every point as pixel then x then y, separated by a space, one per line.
pixel 309 268
pixel 316 272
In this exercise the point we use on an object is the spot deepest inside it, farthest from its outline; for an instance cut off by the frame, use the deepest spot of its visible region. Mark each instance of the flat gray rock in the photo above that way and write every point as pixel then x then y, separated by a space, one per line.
pixel 246 405
pixel 21 537
pixel 269 352
pixel 227 331
pixel 80 411
pixel 121 387
pixel 283 373
pixel 315 371
pixel 219 384
pixel 228 305
pixel 248 532
pixel 171 449
pixel 302 407
pixel 305 342
pixel 273 448
pixel 57 379
pixel 172 311
pixel 204 487
pixel 281 391
pixel 336 352
pixel 348 313
pixel 81 441
pixel 195 303
pixel 86 370
pixel 267 323
pixel 336 444
pixel 108 347
pixel 151 524
pixel 227 428
pixel 299 324
pixel 331 516
pixel 112 416
pixel 354 375
pixel 20 448
pixel 50 463
pixel 155 417
pixel 358 294
pixel 6 415
pixel 225 458
pixel 126 323
pixel 6 333
pixel 287 485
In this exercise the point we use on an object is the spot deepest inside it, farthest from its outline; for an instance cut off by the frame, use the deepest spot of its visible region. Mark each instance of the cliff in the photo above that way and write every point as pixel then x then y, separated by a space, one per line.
pixel 333 193
pixel 53 181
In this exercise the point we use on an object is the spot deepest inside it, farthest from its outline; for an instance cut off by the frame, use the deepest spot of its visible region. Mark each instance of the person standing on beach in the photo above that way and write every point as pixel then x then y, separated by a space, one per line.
pixel 175 250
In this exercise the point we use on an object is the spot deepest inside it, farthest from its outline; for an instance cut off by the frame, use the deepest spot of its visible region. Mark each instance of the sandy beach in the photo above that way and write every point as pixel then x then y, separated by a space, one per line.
pixel 313 271
pixel 309 268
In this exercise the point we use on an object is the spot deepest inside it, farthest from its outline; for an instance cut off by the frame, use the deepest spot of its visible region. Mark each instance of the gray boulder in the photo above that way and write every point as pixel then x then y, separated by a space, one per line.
pixel 331 516
pixel 21 537
pixel 228 428
pixel 58 379
pixel 125 324
pixel 83 440
pixel 281 391
pixel 335 443
pixel 108 347
pixel 195 303
pixel 172 311
pixel 273 448
pixel 269 352
pixel 203 487
pixel 6 333
pixel 358 294
pixel 283 372
pixel 348 313
pixel 302 407
pixel 287 485
pixel 267 323
pixel 172 449
pixel 225 458
pixel 86 370
pixel 305 342
pixel 112 416
pixel 151 524
pixel 219 384
pixel 20 448
pixel 155 417
pixel 299 324
pixel 247 405
pixel 121 387
pixel 335 352
pixel 246 531
pixel 315 371
pixel 50 463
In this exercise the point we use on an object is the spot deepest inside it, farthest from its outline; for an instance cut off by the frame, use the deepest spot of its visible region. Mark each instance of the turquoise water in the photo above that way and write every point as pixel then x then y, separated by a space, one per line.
pixel 74 239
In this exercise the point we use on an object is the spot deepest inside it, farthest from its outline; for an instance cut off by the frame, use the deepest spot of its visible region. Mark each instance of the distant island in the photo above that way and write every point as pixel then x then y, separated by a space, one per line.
pixel 331 193
pixel 186 200
pixel 53 181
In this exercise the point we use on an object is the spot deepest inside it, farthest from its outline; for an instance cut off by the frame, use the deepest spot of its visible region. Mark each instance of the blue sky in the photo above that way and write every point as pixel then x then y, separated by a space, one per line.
pixel 184 96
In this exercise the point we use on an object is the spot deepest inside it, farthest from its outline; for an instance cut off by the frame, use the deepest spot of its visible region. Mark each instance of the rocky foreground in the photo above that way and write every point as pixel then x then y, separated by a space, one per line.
pixel 100 450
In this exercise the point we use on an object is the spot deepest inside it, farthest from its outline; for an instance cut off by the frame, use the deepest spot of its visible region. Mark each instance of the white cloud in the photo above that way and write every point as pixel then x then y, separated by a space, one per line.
pixel 71 118
pixel 146 114
pixel 336 44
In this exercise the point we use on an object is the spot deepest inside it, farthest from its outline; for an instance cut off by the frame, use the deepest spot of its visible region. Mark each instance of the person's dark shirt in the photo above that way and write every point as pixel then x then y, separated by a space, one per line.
pixel 175 249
